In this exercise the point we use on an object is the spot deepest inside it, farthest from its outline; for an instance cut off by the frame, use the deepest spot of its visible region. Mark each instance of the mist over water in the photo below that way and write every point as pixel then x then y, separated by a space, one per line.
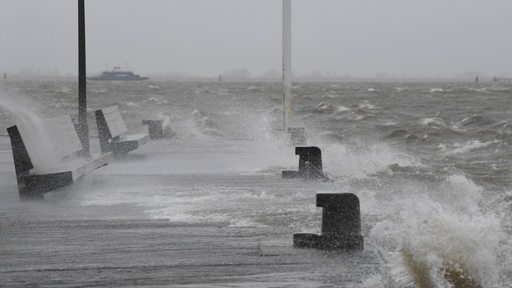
pixel 430 162
pixel 36 135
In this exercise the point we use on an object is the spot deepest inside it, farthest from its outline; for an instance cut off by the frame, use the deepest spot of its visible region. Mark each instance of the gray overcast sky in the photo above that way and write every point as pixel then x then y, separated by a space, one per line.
pixel 208 37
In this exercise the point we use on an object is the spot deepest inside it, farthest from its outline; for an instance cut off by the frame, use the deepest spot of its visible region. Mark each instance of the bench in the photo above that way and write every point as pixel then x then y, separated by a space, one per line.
pixel 111 131
pixel 49 155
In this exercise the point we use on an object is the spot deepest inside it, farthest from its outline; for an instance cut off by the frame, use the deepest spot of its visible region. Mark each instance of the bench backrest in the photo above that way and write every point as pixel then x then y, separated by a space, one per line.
pixel 63 136
pixel 45 143
pixel 111 119
pixel 110 125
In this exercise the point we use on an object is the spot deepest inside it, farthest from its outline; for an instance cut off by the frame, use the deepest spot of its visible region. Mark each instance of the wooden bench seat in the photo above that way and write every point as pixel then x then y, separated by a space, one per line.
pixel 49 155
pixel 111 129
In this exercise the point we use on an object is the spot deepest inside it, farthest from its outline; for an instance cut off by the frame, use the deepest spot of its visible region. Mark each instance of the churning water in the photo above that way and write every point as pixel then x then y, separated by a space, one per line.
pixel 430 162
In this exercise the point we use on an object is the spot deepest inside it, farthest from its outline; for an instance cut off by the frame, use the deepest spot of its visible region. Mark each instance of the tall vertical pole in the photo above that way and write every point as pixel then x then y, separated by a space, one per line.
pixel 83 127
pixel 287 63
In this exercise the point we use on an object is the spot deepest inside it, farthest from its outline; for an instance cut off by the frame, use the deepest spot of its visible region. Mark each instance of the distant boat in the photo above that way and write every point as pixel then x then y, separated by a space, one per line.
pixel 118 75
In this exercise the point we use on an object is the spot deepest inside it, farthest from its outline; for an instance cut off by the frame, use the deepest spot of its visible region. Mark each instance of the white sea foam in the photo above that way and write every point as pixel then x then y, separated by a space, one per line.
pixel 342 109
pixel 347 161
pixel 167 129
pixel 436 90
pixel 324 106
pixel 367 105
pixel 435 235
pixel 424 224
pixel 154 87
pixel 65 90
pixel 468 147
pixel 435 121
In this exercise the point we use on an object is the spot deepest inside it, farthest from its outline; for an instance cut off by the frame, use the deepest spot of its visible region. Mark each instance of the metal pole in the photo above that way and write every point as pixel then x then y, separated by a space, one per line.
pixel 83 127
pixel 287 63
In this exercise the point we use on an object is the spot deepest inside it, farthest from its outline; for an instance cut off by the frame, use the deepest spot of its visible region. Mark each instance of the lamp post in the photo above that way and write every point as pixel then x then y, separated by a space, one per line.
pixel 287 63
pixel 83 127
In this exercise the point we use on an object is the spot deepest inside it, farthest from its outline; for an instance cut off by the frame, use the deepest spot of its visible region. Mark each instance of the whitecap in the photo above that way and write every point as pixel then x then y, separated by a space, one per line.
pixel 469 146
pixel 342 109
pixel 433 122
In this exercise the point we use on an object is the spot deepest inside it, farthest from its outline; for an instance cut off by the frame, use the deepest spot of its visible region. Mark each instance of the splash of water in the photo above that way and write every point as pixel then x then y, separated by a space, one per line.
pixel 32 129
pixel 435 233
pixel 437 240
pixel 166 125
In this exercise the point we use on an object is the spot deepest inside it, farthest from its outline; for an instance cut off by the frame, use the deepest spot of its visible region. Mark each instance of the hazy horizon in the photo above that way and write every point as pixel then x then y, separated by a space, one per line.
pixel 201 38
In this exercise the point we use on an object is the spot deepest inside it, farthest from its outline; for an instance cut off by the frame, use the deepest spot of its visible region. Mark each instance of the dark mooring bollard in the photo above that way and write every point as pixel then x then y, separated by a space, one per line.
pixel 341 224
pixel 310 164
pixel 155 128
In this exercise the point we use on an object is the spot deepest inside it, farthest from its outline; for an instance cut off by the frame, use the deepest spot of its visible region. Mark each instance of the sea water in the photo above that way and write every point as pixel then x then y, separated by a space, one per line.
pixel 430 162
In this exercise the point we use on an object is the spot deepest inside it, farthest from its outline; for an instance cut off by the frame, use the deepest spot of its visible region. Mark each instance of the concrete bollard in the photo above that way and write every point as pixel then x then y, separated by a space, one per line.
pixel 155 128
pixel 310 164
pixel 341 224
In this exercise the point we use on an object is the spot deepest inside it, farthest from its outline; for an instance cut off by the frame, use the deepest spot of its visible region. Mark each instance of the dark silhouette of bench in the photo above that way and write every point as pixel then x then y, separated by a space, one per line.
pixel 111 129
pixel 50 156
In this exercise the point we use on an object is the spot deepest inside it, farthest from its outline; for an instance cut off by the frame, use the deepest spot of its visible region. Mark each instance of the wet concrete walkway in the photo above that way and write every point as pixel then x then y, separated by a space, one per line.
pixel 112 253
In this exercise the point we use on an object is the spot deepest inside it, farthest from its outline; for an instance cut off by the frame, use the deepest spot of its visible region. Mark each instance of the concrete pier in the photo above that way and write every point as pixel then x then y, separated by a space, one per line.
pixel 75 238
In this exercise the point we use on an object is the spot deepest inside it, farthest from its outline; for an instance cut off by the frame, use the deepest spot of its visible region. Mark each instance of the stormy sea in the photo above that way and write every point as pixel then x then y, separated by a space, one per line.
pixel 431 163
